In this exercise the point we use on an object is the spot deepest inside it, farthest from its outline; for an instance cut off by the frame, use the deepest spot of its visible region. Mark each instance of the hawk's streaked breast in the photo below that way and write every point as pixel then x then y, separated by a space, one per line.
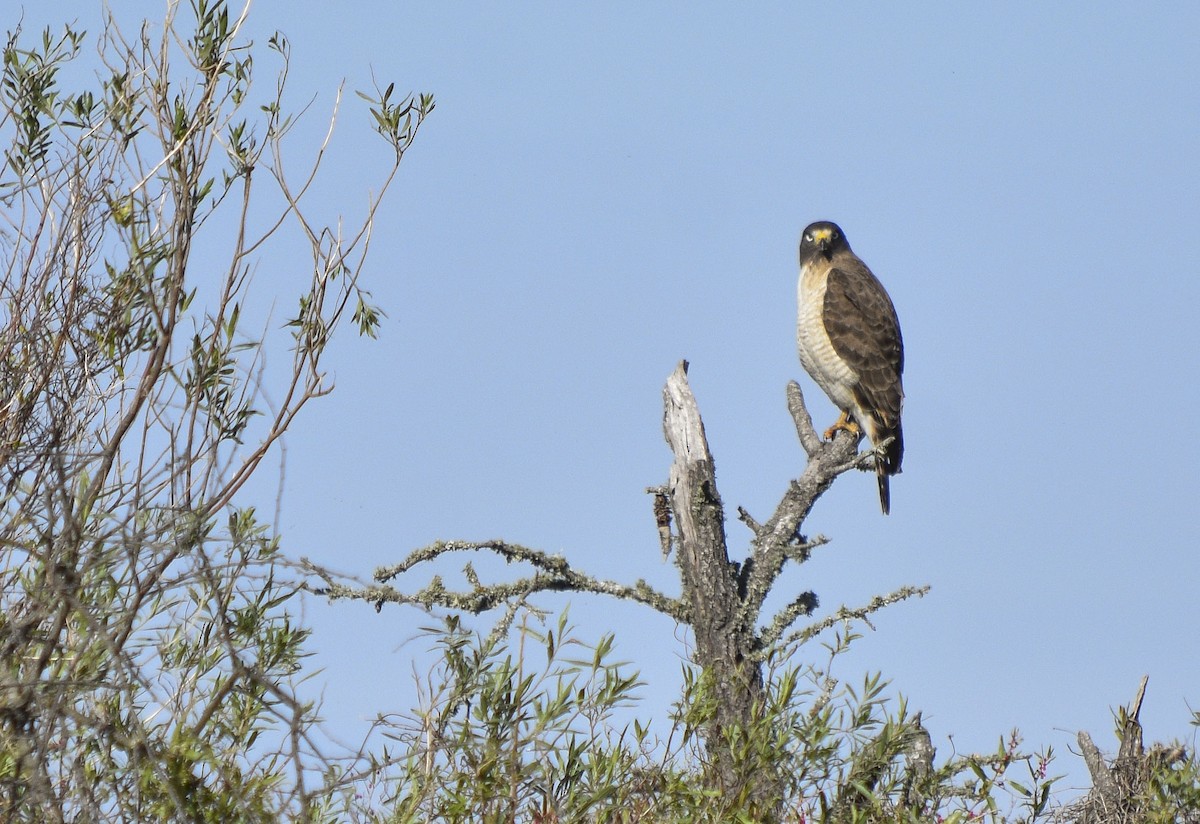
pixel 817 354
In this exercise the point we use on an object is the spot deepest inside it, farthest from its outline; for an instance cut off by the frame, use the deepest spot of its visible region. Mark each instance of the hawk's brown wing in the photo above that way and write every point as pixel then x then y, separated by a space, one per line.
pixel 863 328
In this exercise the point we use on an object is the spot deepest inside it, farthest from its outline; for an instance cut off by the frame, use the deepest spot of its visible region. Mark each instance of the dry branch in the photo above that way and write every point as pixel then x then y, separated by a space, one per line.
pixel 772 543
pixel 553 574
pixel 843 615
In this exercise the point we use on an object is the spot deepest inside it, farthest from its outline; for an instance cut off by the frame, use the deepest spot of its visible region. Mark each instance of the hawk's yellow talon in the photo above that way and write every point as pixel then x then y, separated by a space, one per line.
pixel 843 423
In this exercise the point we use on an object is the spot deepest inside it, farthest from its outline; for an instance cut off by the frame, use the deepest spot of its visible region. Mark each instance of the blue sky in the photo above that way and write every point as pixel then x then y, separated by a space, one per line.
pixel 605 189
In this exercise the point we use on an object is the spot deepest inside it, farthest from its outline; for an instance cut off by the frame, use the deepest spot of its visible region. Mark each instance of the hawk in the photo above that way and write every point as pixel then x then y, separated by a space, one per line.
pixel 849 339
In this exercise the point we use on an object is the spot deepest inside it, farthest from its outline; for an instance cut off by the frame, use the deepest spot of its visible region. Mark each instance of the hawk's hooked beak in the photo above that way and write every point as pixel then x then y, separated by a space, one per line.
pixel 823 237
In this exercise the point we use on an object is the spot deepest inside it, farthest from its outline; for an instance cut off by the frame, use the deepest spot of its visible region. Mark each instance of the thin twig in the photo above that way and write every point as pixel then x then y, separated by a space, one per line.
pixel 862 613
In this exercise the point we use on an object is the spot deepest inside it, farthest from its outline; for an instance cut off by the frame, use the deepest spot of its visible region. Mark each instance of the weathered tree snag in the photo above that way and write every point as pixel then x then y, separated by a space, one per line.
pixel 723 599
pixel 724 643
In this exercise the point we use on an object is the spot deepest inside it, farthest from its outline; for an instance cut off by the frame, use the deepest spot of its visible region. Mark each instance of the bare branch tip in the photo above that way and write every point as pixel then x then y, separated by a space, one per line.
pixel 809 439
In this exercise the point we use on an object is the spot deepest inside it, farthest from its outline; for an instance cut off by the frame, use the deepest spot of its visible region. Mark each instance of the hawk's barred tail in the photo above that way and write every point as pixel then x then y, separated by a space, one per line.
pixel 887 463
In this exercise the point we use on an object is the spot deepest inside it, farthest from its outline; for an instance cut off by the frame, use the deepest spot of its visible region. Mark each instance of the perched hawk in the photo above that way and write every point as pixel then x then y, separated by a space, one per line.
pixel 850 343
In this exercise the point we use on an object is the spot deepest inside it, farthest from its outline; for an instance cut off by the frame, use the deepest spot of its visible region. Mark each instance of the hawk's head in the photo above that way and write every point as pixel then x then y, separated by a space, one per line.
pixel 821 238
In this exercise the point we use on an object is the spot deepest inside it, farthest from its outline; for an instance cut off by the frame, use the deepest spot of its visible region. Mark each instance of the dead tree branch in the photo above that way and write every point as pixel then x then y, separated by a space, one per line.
pixel 553 574
pixel 772 543
pixel 779 623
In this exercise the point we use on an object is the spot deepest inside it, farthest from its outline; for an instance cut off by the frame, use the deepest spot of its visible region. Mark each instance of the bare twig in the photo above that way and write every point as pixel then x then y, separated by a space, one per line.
pixel 862 613
pixel 809 438
pixel 745 517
